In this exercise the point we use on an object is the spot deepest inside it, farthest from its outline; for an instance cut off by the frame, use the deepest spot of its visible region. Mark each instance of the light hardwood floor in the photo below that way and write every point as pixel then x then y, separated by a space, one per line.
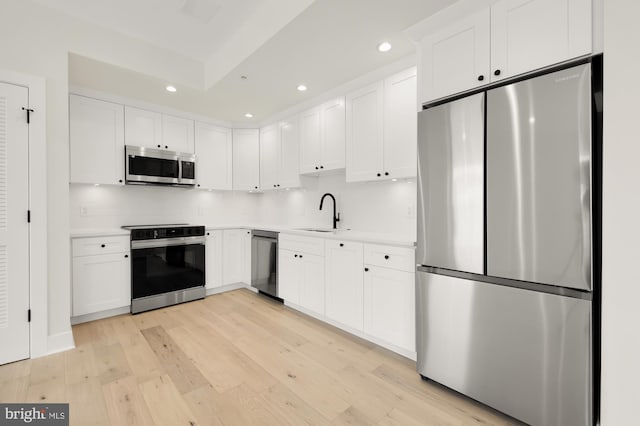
pixel 232 359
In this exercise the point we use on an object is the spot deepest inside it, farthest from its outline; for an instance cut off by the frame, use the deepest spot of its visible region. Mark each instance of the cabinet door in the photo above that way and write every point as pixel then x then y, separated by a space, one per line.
pixel 246 159
pixel 364 134
pixel 311 282
pixel 344 283
pixel 269 156
pixel 310 140
pixel 96 139
pixel 101 282
pixel 177 134
pixel 232 258
pixel 456 58
pixel 213 269
pixel 245 241
pixel 214 148
pixel 530 34
pixel 389 306
pixel 289 267
pixel 142 128
pixel 289 153
pixel 333 135
pixel 400 125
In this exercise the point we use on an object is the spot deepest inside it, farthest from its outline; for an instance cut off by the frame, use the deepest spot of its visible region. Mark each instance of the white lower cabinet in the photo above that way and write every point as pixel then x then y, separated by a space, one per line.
pixel 344 282
pixel 100 280
pixel 389 306
pixel 213 267
pixel 301 279
pixel 236 256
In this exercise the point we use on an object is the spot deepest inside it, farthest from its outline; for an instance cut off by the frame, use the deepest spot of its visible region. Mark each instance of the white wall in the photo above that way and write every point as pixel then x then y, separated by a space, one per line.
pixel 106 206
pixel 384 207
pixel 621 215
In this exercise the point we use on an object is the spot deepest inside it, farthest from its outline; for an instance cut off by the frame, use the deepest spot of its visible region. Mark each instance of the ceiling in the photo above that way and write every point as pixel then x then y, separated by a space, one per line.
pixel 328 43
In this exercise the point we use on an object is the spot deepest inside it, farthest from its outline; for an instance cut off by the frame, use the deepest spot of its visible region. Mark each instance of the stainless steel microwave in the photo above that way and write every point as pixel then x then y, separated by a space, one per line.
pixel 157 166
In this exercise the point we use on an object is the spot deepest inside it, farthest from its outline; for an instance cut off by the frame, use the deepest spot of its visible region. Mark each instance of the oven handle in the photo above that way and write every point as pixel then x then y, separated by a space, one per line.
pixel 165 242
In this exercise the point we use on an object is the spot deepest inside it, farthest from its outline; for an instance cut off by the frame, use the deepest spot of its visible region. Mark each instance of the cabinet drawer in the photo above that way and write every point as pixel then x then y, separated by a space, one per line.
pixel 400 258
pixel 301 244
pixel 100 245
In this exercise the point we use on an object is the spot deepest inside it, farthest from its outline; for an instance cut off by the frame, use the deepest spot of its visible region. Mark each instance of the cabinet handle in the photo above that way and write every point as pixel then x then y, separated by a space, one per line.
pixel 366 269
pixel 300 256
pixel 255 187
pixel 166 147
pixel 278 185
pixel 497 72
pixel 119 180
pixel 198 185
pixel 480 77
pixel 386 173
pixel 317 167
pixel 295 255
pixel 248 232
pixel 274 185
pixel 378 174
pixel 386 256
pixel 102 245
pixel 341 245
pixel 126 256
pixel 208 233
pixel 322 167
pixel 159 146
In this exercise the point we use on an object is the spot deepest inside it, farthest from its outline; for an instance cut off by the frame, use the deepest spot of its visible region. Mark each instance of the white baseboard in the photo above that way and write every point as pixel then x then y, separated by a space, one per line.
pixel 60 342
pixel 224 288
pixel 99 315
pixel 358 333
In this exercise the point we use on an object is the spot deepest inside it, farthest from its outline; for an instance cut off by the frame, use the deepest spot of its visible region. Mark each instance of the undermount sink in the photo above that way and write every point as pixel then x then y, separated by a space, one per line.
pixel 316 230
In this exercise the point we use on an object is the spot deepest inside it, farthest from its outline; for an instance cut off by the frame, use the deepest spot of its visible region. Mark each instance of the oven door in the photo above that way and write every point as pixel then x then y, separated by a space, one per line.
pixel 166 265
pixel 151 166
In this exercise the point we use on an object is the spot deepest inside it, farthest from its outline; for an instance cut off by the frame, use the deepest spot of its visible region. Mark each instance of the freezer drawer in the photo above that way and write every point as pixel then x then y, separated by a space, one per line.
pixel 524 353
pixel 451 185
pixel 539 179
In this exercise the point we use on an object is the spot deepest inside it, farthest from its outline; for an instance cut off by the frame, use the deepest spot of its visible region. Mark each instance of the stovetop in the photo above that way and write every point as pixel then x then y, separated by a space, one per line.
pixel 161 225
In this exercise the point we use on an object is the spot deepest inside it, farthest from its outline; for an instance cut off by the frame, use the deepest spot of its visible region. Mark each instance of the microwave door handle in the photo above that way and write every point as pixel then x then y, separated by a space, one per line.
pixel 179 170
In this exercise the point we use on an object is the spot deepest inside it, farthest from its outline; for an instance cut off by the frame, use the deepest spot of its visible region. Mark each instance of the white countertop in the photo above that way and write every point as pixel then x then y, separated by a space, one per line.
pixel 340 234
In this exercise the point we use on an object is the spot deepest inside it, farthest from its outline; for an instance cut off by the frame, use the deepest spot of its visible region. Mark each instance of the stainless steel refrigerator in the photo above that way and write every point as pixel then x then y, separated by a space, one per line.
pixel 504 283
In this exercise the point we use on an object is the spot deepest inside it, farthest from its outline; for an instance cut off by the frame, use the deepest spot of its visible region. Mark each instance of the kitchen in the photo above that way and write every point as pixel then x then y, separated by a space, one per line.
pixel 356 201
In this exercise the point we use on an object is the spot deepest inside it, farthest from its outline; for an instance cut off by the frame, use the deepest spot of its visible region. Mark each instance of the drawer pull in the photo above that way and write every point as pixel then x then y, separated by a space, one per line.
pixel 102 245
pixel 126 255
pixel 295 255
pixel 341 245
pixel 386 256
pixel 366 269
pixel 300 256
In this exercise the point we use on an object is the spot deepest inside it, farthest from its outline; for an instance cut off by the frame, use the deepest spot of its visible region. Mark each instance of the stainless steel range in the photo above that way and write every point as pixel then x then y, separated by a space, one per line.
pixel 167 265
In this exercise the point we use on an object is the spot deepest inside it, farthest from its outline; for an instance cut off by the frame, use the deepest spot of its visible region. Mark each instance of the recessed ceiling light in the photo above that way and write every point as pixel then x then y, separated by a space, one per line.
pixel 248 115
pixel 302 87
pixel 171 89
pixel 385 46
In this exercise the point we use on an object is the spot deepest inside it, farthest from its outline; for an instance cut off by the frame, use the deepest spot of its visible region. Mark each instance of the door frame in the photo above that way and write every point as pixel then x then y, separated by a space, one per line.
pixel 38 264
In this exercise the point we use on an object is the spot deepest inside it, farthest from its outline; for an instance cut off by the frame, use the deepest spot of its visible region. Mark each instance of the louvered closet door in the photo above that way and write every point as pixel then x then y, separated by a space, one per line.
pixel 14 231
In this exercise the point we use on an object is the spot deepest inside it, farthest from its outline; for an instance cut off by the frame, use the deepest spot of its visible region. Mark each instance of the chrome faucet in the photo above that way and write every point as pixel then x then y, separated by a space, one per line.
pixel 336 216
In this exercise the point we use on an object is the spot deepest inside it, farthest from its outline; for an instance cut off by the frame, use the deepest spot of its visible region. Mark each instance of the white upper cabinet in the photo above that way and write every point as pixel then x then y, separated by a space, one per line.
pixel 322 137
pixel 333 135
pixel 177 134
pixel 142 128
pixel 530 34
pixel 214 155
pixel 96 137
pixel 401 125
pixel 152 129
pixel 270 156
pixel 279 155
pixel 364 144
pixel 310 140
pixel 456 58
pixel 246 159
pixel 510 38
pixel 382 129
pixel 289 153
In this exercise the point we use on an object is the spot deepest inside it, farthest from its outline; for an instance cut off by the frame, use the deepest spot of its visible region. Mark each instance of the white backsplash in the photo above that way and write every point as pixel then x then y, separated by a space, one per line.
pixel 384 207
